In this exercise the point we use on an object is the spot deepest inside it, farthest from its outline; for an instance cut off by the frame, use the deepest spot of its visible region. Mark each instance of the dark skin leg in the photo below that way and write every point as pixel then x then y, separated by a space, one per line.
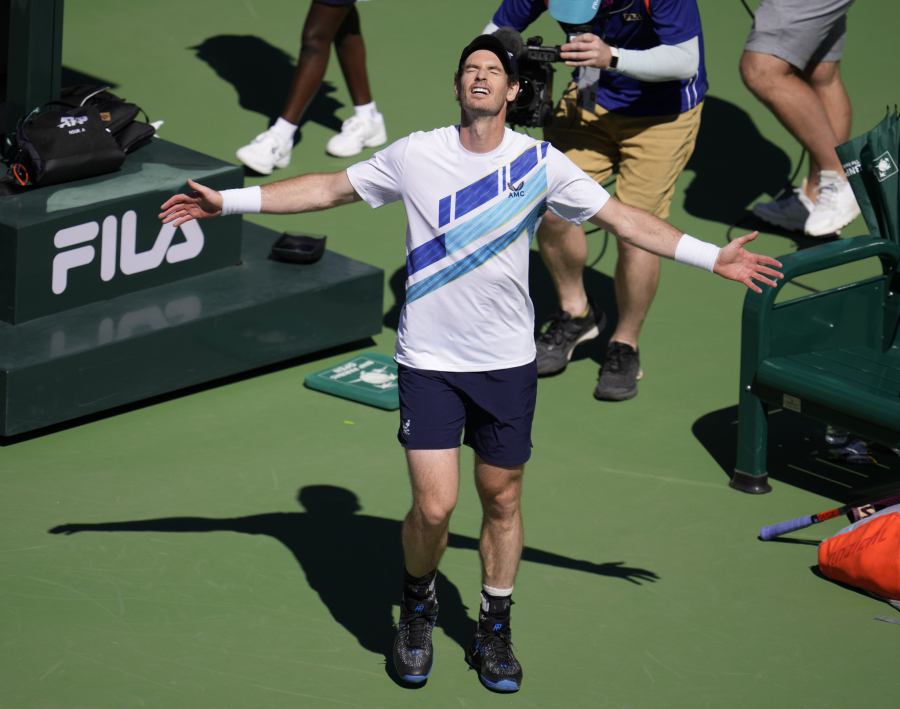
pixel 326 24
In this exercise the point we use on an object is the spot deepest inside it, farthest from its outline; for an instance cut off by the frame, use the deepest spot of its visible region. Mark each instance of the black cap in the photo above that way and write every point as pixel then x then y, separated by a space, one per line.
pixel 492 44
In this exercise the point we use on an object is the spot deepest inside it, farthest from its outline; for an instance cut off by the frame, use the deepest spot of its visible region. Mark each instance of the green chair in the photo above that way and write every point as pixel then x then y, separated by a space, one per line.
pixel 833 356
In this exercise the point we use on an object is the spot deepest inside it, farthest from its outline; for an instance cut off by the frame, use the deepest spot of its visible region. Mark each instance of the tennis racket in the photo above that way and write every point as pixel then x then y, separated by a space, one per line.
pixel 854 512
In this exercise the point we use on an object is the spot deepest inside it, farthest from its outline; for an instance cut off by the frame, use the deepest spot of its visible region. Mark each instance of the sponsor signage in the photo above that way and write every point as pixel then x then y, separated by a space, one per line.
pixel 58 250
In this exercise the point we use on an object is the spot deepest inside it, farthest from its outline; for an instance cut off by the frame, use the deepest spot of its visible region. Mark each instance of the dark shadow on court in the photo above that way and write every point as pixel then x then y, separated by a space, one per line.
pixel 397 284
pixel 733 164
pixel 73 77
pixel 798 455
pixel 355 561
pixel 261 74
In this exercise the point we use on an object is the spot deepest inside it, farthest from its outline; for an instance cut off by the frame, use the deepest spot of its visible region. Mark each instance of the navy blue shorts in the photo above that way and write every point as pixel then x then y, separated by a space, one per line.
pixel 495 409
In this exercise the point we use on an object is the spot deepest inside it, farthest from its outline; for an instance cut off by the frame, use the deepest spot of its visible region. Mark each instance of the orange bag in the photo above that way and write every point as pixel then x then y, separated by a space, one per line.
pixel 866 554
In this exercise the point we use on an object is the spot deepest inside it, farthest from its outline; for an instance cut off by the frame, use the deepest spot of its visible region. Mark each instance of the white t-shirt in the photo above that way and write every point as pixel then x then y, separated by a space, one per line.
pixel 471 218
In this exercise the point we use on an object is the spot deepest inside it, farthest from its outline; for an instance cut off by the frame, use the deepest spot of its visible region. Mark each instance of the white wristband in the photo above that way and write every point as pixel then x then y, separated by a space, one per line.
pixel 243 201
pixel 697 253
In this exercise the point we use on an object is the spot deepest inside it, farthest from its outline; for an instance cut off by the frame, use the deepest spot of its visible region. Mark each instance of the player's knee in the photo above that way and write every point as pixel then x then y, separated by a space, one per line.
pixel 315 42
pixel 502 505
pixel 436 512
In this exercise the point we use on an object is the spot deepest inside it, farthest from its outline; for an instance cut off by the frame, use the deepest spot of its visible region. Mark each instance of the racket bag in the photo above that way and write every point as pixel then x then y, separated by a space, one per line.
pixel 866 554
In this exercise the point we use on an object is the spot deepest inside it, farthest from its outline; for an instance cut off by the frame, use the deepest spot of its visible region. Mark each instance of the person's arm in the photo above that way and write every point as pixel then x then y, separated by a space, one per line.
pixel 517 14
pixel 663 63
pixel 302 193
pixel 652 234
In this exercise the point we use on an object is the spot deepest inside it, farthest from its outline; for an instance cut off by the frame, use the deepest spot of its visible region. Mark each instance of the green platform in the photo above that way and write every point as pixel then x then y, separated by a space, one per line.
pixel 166 338
pixel 79 242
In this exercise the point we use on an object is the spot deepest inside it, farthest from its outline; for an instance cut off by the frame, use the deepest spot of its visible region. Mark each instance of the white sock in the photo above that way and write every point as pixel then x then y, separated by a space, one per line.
pixel 497 592
pixel 367 110
pixel 284 129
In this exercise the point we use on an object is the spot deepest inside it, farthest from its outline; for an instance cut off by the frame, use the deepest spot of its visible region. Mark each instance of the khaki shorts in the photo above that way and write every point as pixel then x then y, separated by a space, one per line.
pixel 650 152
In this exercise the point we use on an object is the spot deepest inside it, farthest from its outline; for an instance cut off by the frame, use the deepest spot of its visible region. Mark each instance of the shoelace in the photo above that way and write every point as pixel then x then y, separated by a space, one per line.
pixel 555 332
pixel 827 194
pixel 417 626
pixel 354 124
pixel 501 647
pixel 614 357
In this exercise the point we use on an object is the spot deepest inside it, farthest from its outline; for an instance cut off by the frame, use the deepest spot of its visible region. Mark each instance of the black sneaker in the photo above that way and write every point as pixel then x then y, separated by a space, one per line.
pixel 413 652
pixel 562 333
pixel 491 651
pixel 620 373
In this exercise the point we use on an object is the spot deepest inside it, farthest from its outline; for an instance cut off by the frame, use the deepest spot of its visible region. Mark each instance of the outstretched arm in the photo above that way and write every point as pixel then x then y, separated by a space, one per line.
pixel 303 193
pixel 652 234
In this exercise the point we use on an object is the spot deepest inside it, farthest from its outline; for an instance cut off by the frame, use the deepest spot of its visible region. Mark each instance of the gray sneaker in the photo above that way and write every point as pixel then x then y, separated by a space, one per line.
pixel 562 333
pixel 790 213
pixel 620 373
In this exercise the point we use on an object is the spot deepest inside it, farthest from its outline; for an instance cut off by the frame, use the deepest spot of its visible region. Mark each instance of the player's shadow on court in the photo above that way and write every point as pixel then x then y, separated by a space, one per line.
pixel 734 164
pixel 355 561
pixel 262 74
pixel 797 455
pixel 598 285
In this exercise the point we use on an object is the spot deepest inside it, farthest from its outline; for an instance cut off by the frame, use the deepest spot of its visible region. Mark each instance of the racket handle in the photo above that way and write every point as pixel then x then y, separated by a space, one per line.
pixel 776 530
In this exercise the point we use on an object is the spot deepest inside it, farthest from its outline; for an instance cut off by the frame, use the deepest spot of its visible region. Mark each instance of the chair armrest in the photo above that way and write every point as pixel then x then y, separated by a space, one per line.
pixel 820 258
pixel 758 307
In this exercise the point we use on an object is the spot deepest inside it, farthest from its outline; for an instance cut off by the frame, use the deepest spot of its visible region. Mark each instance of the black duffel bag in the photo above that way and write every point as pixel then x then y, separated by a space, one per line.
pixel 119 116
pixel 69 144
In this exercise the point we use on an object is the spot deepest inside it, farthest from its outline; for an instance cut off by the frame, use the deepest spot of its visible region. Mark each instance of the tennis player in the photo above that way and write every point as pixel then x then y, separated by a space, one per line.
pixel 474 195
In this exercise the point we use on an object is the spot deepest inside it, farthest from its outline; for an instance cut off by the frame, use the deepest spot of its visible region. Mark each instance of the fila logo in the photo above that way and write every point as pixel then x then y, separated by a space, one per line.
pixel 516 190
pixel 72 121
pixel 130 262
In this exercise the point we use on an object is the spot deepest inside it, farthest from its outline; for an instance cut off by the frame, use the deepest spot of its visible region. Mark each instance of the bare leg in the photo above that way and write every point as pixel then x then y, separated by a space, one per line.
pixel 351 52
pixel 500 491
pixel 322 24
pixel 564 251
pixel 637 277
pixel 796 104
pixel 434 476
pixel 825 79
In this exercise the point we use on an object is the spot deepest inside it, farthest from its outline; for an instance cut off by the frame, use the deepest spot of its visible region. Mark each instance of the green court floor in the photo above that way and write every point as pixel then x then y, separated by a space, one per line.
pixel 237 546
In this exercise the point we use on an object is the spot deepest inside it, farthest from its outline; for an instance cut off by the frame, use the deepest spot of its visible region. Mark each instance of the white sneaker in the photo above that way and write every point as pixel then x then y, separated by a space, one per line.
pixel 835 206
pixel 266 152
pixel 357 133
pixel 789 213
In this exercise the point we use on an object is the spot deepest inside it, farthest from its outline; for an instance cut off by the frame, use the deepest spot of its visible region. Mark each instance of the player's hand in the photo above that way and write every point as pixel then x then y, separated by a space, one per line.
pixel 737 264
pixel 586 50
pixel 200 204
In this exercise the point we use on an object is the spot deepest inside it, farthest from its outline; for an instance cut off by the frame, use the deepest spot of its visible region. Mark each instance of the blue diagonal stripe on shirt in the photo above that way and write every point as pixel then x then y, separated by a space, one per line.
pixel 486 222
pixel 477 258
pixel 522 165
pixel 476 194
pixel 496 216
pixel 444 212
pixel 425 255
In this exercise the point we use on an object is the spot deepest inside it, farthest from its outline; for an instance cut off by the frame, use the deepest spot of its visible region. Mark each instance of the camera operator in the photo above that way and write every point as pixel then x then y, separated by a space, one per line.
pixel 634 104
